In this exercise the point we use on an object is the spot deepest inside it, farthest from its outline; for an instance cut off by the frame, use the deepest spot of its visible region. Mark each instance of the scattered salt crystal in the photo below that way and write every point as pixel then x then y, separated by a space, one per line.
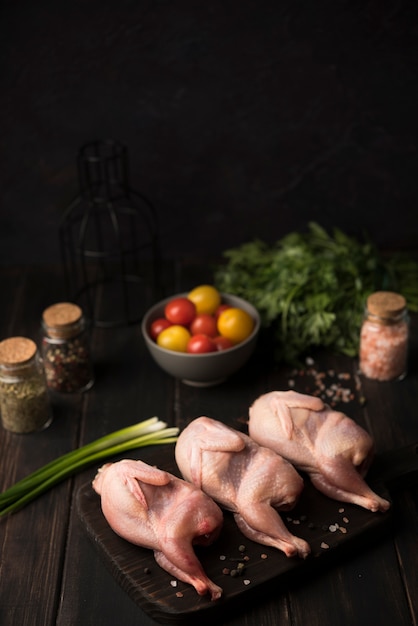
pixel 342 530
pixel 341 510
pixel 344 375
pixel 296 521
pixel 173 583
pixel 246 581
pixel 346 520
pixel 324 545
pixel 333 528
pixel 179 594
pixel 222 557
pixel 263 556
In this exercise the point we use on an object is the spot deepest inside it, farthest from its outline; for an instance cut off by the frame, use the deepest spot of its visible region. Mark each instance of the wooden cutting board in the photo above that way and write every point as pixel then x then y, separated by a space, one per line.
pixel 327 525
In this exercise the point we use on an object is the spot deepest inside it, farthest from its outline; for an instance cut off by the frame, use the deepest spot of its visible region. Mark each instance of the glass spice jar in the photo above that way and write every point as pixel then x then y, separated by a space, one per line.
pixel 384 337
pixel 66 348
pixel 24 400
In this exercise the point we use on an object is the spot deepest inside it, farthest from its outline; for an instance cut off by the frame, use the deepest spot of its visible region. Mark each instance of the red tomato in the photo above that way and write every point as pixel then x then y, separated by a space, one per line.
pixel 220 309
pixel 157 326
pixel 222 343
pixel 199 344
pixel 204 324
pixel 180 311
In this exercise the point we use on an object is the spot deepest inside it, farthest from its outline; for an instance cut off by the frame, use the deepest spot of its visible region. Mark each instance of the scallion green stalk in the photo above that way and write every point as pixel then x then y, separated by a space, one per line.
pixel 149 432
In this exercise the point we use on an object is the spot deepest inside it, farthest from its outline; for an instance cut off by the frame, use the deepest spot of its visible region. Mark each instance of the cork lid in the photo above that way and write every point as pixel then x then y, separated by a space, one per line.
pixel 17 351
pixel 62 319
pixel 386 304
pixel 62 314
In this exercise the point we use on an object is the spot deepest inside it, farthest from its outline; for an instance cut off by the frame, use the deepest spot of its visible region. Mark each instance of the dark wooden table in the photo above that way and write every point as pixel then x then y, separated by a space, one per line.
pixel 52 573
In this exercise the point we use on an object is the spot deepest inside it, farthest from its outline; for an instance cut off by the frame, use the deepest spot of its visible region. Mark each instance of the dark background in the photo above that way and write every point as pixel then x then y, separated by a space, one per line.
pixel 242 119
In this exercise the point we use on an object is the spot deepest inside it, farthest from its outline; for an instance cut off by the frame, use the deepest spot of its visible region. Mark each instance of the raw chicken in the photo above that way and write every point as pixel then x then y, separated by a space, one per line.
pixel 334 450
pixel 243 477
pixel 156 510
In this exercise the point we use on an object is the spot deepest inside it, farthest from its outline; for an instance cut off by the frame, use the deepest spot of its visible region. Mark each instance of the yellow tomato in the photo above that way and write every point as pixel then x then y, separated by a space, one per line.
pixel 174 337
pixel 236 324
pixel 206 298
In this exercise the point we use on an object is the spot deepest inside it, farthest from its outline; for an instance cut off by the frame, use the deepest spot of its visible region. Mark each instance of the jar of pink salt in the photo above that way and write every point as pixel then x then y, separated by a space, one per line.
pixel 384 337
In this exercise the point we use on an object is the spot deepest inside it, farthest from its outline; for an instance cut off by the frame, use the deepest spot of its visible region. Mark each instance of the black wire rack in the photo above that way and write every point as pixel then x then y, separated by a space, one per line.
pixel 109 240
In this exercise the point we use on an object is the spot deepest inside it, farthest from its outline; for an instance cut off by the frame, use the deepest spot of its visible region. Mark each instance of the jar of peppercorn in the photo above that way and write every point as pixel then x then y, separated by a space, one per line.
pixel 384 337
pixel 66 348
pixel 24 399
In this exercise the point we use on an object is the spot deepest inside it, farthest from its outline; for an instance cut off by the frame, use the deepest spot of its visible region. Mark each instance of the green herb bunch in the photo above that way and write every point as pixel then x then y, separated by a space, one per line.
pixel 311 288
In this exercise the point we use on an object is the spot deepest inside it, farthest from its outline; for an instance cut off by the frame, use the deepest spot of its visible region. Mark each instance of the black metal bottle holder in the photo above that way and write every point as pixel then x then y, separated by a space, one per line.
pixel 109 240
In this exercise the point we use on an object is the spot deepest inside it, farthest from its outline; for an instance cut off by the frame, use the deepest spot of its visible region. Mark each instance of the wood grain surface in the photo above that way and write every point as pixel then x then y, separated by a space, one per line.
pixel 61 564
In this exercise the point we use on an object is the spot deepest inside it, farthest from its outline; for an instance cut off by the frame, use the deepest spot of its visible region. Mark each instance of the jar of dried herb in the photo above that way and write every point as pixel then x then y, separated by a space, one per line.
pixel 384 337
pixel 24 400
pixel 66 348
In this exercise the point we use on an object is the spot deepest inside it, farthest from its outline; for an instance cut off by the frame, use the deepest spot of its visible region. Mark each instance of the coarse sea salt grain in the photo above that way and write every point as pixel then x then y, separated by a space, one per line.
pixel 326 385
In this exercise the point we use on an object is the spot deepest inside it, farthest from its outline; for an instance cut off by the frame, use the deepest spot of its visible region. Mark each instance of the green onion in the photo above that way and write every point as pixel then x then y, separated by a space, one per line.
pixel 149 432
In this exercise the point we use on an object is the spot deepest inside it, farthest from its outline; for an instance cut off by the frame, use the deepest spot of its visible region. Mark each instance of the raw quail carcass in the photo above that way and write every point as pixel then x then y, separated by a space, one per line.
pixel 326 444
pixel 251 481
pixel 155 509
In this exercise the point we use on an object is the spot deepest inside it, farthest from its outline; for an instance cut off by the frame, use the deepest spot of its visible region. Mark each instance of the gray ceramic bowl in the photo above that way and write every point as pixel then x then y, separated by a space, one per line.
pixel 202 370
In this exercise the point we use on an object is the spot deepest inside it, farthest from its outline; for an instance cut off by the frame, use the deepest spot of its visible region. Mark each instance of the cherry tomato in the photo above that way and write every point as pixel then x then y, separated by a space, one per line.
pixel 175 337
pixel 157 326
pixel 236 324
pixel 222 343
pixel 204 324
pixel 206 298
pixel 198 344
pixel 221 307
pixel 180 311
